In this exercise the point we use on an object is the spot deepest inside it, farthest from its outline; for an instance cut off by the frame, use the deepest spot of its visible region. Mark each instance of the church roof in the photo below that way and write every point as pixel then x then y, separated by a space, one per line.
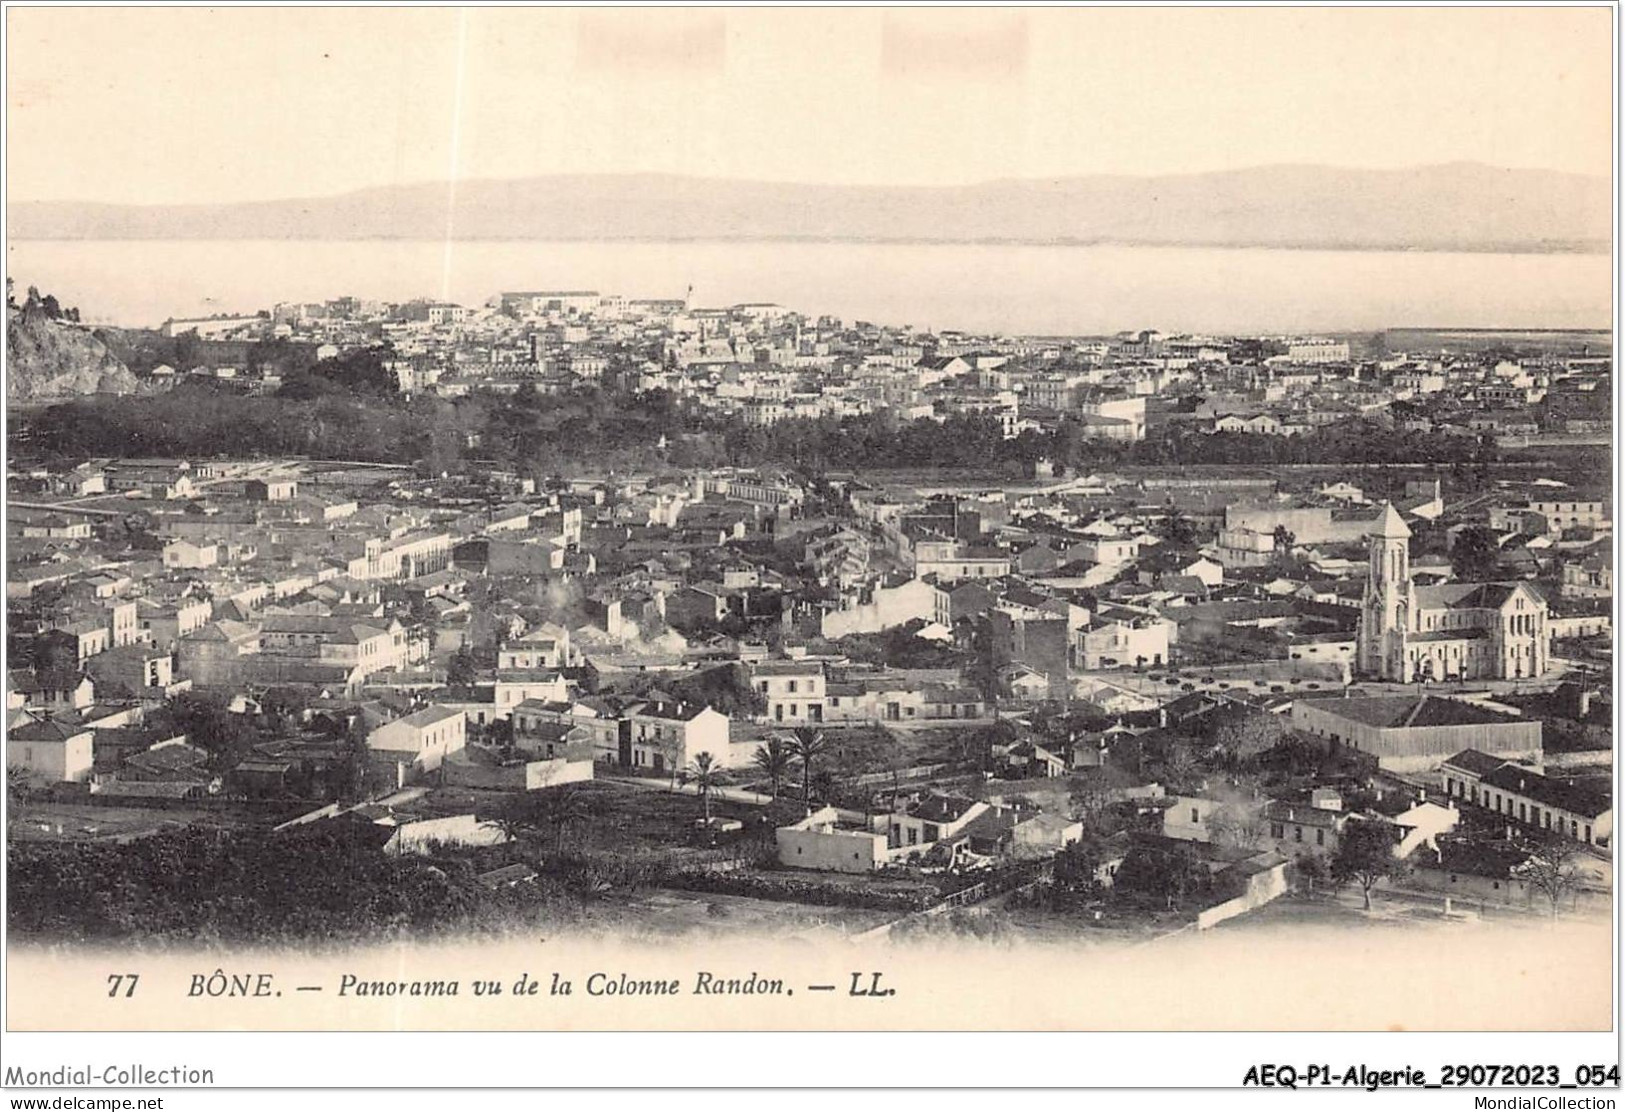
pixel 1389 524
pixel 1470 596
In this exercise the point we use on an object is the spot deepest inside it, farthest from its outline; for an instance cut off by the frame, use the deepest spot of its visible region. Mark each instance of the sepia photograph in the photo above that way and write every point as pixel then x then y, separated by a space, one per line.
pixel 741 519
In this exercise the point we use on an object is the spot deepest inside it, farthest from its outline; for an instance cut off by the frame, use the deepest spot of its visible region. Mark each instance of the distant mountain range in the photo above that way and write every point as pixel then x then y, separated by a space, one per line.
pixel 1454 207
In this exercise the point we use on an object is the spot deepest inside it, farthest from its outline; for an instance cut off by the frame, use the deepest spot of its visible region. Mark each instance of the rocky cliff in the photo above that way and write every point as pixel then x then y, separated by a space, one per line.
pixel 47 359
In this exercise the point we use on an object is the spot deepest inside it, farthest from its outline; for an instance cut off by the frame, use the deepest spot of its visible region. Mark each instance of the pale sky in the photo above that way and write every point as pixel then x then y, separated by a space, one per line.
pixel 192 105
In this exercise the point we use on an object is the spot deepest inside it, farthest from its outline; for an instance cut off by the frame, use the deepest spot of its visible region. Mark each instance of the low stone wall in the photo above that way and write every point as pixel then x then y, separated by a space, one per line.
pixel 1261 889
pixel 517 777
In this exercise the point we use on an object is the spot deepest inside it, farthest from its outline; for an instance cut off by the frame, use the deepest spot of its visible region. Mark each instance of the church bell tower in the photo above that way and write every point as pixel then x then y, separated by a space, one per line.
pixel 1386 613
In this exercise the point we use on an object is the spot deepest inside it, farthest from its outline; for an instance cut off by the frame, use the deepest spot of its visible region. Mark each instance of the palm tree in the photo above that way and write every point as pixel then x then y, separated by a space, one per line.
pixel 706 774
pixel 521 815
pixel 807 745
pixel 773 758
pixel 511 826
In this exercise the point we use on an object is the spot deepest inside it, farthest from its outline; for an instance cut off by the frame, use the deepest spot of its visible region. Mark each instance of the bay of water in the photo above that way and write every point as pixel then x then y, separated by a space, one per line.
pixel 986 288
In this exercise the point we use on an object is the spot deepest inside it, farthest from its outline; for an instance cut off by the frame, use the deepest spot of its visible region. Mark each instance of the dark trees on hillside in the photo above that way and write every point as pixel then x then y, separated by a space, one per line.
pixel 358 373
pixel 1474 555
pixel 348 408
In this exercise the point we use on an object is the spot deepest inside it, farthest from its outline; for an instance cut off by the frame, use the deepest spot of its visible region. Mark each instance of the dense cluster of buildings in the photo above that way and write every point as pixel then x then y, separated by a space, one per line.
pixel 510 634
pixel 763 364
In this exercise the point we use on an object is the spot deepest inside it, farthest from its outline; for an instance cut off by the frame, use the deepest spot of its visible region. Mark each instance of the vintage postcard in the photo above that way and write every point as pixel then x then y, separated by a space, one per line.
pixel 821 520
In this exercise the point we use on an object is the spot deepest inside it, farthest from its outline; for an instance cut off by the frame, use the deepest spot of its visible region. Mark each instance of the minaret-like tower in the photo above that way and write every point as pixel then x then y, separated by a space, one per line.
pixel 1386 615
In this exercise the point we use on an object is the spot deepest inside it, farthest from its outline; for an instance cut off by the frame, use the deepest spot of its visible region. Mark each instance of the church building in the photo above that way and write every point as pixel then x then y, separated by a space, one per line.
pixel 1451 631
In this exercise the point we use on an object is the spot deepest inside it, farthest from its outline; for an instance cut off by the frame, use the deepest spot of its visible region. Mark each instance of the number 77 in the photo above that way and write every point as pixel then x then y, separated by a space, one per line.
pixel 116 981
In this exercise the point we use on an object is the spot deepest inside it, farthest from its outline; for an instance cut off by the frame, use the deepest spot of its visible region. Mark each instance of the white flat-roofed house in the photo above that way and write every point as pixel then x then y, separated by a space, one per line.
pixel 184 554
pixel 514 686
pixel 794 690
pixel 547 646
pixel 403 751
pixel 658 735
pixel 821 841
